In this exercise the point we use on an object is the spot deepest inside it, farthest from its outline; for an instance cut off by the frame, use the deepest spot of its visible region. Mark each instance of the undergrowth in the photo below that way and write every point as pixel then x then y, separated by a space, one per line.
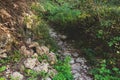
pixel 103 73
pixel 64 70
pixel 94 25
pixel 42 35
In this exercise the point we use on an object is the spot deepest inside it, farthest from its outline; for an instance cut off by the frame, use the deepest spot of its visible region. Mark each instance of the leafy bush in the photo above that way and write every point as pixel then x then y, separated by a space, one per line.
pixel 60 15
pixel 41 33
pixel 3 68
pixel 2 78
pixel 103 73
pixel 64 70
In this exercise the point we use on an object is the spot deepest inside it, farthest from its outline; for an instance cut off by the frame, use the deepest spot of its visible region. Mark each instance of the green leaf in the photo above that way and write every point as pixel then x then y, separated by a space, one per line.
pixel 3 68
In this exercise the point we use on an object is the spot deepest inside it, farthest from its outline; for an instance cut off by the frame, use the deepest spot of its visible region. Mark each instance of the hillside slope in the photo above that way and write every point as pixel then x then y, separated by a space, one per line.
pixel 21 56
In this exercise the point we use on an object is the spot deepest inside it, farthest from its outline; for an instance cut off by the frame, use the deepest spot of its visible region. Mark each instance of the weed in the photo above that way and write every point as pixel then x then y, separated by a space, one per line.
pixel 42 57
pixel 64 70
pixel 16 56
pixel 103 73
pixel 43 74
pixel 5 61
pixel 2 78
pixel 3 68
pixel 43 36
pixel 14 78
pixel 33 75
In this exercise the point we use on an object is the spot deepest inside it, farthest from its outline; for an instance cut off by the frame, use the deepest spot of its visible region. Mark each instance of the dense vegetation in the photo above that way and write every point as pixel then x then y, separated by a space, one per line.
pixel 34 28
pixel 95 28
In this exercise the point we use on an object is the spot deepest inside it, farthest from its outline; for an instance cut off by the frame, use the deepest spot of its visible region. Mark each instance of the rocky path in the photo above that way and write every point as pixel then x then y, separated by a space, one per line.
pixel 78 64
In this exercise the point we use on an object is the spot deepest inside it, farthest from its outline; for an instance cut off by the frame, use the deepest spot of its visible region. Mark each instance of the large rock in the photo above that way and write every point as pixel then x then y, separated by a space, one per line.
pixel 3 55
pixel 17 76
pixel 67 53
pixel 42 50
pixel 24 51
pixel 30 62
pixel 79 60
pixel 74 71
pixel 75 54
pixel 52 58
pixel 41 67
pixel 39 49
pixel 76 75
pixel 76 66
pixel 6 39
pixel 72 61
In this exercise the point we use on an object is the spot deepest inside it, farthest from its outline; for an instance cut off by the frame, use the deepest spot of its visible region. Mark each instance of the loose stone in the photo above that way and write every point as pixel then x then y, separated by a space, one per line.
pixel 76 75
pixel 72 61
pixel 79 60
pixel 75 54
pixel 30 63
pixel 17 76
pixel 48 78
pixel 41 67
pixel 52 58
pixel 74 71
pixel 76 66
pixel 67 53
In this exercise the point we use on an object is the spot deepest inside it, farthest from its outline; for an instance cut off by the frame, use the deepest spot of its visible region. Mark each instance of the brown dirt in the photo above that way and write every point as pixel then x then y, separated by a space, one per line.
pixel 12 24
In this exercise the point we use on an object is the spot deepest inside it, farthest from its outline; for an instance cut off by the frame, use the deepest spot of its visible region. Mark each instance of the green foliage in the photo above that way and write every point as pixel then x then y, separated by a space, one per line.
pixel 42 57
pixel 4 61
pixel 43 74
pixel 59 76
pixel 64 14
pixel 41 33
pixel 14 78
pixel 103 73
pixel 2 68
pixel 16 56
pixel 60 14
pixel 114 41
pixel 33 75
pixel 2 78
pixel 90 55
pixel 64 70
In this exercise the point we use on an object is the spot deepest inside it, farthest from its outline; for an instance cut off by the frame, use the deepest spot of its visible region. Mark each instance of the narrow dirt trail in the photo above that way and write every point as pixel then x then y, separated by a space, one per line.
pixel 78 64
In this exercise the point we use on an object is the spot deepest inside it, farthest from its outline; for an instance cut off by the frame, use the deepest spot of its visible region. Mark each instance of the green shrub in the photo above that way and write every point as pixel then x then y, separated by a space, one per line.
pixel 64 70
pixel 2 78
pixel 41 33
pixel 3 68
pixel 60 15
pixel 103 73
